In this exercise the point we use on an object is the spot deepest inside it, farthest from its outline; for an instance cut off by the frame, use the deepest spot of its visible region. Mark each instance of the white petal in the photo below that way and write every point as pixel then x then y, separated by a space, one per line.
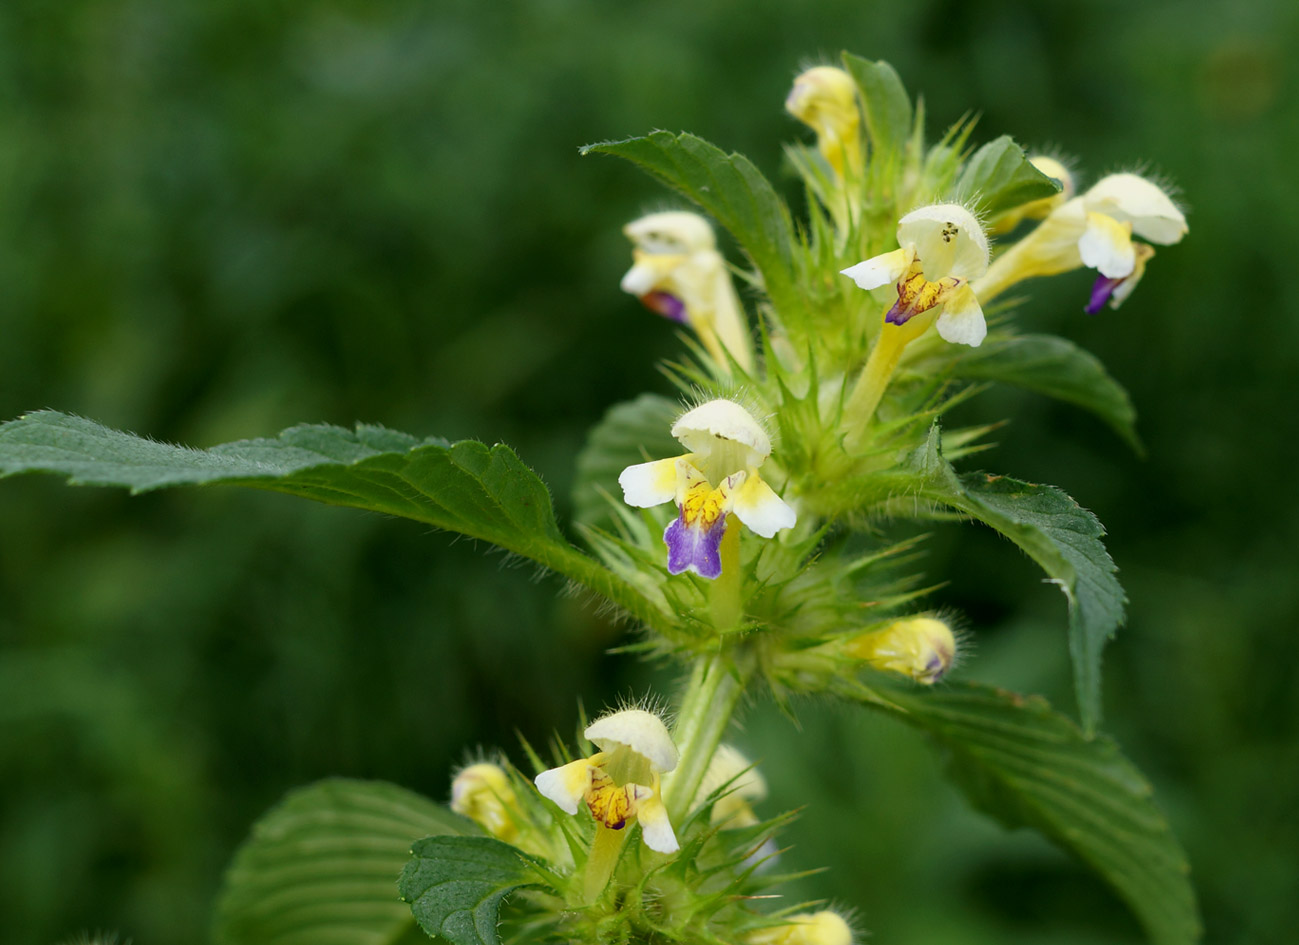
pixel 1106 246
pixel 640 279
pixel 879 270
pixel 566 785
pixel 948 240
pixel 648 484
pixel 1133 199
pixel 962 320
pixel 725 420
pixel 758 507
pixel 655 828
pixel 643 732
pixel 673 231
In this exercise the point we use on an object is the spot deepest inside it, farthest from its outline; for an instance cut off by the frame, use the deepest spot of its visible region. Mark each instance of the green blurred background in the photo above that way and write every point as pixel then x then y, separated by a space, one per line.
pixel 218 219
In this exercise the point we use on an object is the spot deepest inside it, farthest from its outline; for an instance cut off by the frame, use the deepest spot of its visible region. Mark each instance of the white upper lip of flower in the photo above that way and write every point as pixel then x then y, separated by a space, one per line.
pixel 672 232
pixel 1130 198
pixel 948 239
pixel 698 429
pixel 643 732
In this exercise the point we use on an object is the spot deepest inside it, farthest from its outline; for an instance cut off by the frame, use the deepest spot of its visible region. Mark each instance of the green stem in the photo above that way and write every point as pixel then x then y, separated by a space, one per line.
pixel 712 694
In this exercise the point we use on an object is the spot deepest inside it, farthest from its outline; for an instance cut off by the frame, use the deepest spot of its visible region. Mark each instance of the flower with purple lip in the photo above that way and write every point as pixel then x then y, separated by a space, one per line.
pixel 716 486
pixel 678 273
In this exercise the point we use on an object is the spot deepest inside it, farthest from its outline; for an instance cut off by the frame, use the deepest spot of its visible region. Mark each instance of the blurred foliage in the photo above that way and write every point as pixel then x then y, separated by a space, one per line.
pixel 219 219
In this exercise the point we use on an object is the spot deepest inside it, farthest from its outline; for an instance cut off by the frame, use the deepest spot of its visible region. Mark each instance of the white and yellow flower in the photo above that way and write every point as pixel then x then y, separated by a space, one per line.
pixel 922 648
pixel 743 783
pixel 716 480
pixel 482 792
pixel 1095 230
pixel 942 249
pixel 825 99
pixel 805 928
pixel 678 273
pixel 621 782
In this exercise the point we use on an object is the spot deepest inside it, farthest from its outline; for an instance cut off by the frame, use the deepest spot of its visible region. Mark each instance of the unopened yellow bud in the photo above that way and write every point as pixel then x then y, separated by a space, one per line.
pixel 922 648
pixel 482 793
pixel 825 99
pixel 806 928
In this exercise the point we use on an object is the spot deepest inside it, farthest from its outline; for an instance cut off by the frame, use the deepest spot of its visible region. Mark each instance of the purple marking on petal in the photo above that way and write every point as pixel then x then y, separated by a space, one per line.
pixel 1102 289
pixel 694 548
pixel 665 304
pixel 899 314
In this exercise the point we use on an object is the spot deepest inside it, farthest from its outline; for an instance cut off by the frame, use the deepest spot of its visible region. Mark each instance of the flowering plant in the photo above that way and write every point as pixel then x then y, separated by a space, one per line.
pixel 768 558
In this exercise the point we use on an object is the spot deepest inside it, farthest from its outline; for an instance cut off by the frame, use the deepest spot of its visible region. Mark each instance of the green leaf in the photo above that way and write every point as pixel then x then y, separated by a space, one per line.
pixel 1055 367
pixel 885 102
pixel 1062 537
pixel 733 191
pixel 455 886
pixel 999 176
pixel 1027 765
pixel 322 867
pixel 635 431
pixel 467 487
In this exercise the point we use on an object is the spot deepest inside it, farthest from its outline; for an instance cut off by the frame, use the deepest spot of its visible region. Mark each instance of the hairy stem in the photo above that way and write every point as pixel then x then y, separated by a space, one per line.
pixel 712 695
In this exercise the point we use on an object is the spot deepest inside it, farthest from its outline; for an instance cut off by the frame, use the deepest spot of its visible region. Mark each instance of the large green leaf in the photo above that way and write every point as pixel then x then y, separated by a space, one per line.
pixel 467 487
pixel 631 432
pixel 1061 536
pixel 999 176
pixel 886 105
pixel 730 188
pixel 1030 766
pixel 1055 367
pixel 322 867
pixel 455 886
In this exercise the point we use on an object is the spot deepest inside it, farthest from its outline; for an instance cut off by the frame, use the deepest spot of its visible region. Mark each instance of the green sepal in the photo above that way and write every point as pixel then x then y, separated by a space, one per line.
pixel 455 885
pixel 999 176
pixel 1027 765
pixel 323 865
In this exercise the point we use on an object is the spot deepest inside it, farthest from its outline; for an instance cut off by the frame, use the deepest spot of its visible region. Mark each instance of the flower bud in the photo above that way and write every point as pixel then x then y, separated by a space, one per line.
pixel 482 793
pixel 922 648
pixel 806 928
pixel 824 98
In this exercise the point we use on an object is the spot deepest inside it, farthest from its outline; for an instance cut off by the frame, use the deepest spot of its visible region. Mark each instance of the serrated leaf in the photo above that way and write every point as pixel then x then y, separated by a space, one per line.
pixel 455 886
pixel 1055 367
pixel 1065 541
pixel 1027 765
pixel 635 431
pixel 467 487
pixel 886 105
pixel 733 191
pixel 322 867
pixel 999 176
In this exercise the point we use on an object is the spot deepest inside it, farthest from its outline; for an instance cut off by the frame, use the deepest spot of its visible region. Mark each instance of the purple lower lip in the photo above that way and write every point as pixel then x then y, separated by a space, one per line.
pixel 693 548
pixel 665 304
pixel 1102 289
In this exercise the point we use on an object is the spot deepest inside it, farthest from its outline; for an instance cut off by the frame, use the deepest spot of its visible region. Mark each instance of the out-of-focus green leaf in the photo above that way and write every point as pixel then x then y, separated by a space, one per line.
pixel 885 103
pixel 1029 766
pixel 999 176
pixel 323 867
pixel 632 432
pixel 730 188
pixel 455 886
pixel 467 487
pixel 1055 367
pixel 1061 536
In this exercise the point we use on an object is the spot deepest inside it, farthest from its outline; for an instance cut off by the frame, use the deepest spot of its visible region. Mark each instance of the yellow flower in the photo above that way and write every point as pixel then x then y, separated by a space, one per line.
pixel 620 783
pixel 482 793
pixel 825 99
pixel 718 477
pixel 922 648
pixel 806 928
pixel 1093 230
pixel 744 785
pixel 678 273
pixel 942 248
